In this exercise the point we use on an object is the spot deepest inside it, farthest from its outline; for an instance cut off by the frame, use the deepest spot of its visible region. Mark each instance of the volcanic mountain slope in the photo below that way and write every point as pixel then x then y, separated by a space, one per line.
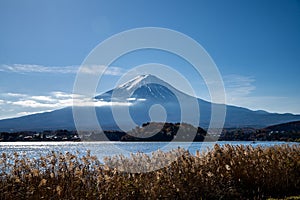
pixel 141 94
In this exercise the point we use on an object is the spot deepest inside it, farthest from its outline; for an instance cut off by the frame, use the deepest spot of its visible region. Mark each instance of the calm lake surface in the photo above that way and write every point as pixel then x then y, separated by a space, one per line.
pixel 102 149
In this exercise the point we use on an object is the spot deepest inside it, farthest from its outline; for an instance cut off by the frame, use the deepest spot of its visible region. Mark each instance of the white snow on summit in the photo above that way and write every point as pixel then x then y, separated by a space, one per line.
pixel 140 81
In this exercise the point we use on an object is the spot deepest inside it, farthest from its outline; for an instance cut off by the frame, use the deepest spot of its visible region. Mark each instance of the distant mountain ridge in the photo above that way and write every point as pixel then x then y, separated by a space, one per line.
pixel 290 126
pixel 142 93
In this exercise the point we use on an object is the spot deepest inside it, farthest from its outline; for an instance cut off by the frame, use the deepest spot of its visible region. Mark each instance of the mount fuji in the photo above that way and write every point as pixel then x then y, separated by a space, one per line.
pixel 140 95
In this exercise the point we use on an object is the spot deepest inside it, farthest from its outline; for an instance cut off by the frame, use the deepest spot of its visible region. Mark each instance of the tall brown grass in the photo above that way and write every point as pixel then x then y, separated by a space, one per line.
pixel 227 172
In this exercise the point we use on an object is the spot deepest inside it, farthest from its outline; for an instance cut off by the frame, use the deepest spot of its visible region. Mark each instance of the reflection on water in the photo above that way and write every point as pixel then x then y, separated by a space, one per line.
pixel 102 149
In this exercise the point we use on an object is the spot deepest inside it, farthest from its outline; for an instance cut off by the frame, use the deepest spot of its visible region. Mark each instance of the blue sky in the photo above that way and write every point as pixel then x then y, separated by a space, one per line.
pixel 254 43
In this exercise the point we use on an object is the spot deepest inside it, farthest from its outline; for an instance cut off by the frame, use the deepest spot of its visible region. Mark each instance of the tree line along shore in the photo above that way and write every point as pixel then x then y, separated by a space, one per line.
pixel 155 131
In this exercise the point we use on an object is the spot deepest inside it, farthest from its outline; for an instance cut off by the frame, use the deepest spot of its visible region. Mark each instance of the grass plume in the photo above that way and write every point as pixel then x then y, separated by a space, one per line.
pixel 227 172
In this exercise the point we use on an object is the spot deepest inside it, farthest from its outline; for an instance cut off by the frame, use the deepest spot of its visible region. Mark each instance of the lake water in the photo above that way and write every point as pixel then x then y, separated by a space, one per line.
pixel 102 149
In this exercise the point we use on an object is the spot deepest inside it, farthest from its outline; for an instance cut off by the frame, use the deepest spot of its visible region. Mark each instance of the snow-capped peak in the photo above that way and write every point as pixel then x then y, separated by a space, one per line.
pixel 140 81
pixel 141 87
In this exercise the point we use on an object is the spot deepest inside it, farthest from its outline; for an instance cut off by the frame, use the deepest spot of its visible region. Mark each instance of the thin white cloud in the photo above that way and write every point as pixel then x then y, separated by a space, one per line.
pixel 61 95
pixel 100 103
pixel 240 91
pixel 27 68
pixel 238 85
pixel 19 114
pixel 43 98
pixel 276 104
pixel 73 69
pixel 17 95
pixel 97 69
pixel 16 104
pixel 33 104
pixel 237 88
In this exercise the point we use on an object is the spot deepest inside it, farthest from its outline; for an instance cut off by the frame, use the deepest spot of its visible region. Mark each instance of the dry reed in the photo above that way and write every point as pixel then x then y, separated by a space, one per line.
pixel 224 172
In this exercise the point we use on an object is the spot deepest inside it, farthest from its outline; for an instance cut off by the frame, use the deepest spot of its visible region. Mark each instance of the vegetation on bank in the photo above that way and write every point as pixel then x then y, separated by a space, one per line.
pixel 227 172
pixel 156 131
pixel 47 135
